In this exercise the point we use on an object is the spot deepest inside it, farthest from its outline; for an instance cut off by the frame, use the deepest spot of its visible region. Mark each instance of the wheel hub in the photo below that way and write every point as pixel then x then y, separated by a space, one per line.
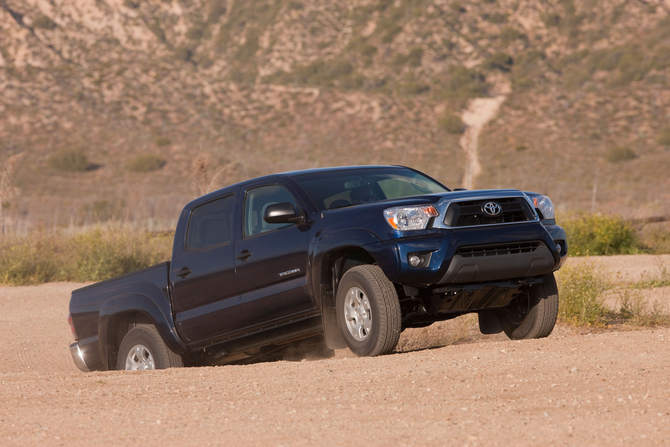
pixel 139 359
pixel 358 314
pixel 518 309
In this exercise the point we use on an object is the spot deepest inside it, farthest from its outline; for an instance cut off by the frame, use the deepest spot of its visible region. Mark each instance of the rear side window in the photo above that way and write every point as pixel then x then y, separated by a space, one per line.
pixel 211 224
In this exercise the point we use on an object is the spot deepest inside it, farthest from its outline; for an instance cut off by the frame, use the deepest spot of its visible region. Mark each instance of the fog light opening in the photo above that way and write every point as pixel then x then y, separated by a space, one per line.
pixel 418 260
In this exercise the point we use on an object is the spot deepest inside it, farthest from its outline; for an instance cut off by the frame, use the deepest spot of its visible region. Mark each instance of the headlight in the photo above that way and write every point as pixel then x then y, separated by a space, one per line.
pixel 543 203
pixel 410 217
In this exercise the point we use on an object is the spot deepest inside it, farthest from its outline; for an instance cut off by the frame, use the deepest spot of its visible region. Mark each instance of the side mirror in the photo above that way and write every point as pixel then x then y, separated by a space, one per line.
pixel 284 212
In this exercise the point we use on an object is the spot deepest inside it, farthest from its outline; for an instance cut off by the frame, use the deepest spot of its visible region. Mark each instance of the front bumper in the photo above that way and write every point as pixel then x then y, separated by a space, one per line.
pixel 78 357
pixel 446 266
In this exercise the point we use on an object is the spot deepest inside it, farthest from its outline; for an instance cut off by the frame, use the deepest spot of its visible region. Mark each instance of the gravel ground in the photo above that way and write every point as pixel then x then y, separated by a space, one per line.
pixel 576 387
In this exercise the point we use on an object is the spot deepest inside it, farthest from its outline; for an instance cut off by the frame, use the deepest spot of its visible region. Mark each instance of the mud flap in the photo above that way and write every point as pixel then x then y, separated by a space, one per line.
pixel 489 324
pixel 331 330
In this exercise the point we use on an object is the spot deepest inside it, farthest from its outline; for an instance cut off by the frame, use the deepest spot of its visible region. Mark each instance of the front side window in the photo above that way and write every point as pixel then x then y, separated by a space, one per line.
pixel 211 224
pixel 257 201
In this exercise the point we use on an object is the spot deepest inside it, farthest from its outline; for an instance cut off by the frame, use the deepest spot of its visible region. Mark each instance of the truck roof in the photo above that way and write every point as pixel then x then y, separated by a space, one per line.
pixel 291 174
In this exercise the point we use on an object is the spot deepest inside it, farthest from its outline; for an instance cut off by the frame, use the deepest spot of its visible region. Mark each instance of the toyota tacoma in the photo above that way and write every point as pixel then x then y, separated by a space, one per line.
pixel 325 259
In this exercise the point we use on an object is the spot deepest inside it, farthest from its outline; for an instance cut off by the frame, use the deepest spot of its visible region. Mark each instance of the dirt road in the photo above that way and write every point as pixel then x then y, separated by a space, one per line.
pixel 573 388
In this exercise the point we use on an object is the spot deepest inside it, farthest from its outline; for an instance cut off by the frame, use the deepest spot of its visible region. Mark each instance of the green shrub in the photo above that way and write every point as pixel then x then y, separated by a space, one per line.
pixel 155 27
pixel 596 234
pixel 146 163
pixel 196 31
pixel 69 161
pixel 581 288
pixel 620 154
pixel 183 54
pixel 462 82
pixel 663 138
pixel 661 59
pixel 451 123
pixel 412 87
pixel 391 32
pixel 44 22
pixel 496 17
pixel 457 7
pixel 248 50
pixel 413 58
pixel 321 74
pixel 217 8
pixel 359 45
pixel 368 50
pixel 509 35
pixel 93 255
pixel 162 141
pixel 131 4
pixel 499 61
pixel 551 19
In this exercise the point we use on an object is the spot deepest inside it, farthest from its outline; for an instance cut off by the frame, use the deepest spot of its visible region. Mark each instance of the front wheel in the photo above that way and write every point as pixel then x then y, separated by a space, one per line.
pixel 368 311
pixel 143 348
pixel 532 314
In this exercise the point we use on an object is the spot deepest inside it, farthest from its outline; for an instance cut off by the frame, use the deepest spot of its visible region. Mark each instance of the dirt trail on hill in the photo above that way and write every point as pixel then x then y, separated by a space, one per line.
pixel 479 112
pixel 576 387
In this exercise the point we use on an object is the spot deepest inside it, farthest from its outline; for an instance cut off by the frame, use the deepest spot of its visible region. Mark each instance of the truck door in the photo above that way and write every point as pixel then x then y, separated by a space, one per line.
pixel 203 273
pixel 271 262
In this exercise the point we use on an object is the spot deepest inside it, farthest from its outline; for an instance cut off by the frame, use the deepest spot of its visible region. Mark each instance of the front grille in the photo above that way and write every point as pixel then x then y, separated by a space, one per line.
pixel 471 213
pixel 475 251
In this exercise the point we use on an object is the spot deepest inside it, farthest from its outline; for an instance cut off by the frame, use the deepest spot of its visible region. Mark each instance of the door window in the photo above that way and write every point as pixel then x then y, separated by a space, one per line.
pixel 257 200
pixel 210 224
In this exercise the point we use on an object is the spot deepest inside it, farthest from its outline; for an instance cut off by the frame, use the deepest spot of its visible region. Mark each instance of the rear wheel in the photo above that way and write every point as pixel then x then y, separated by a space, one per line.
pixel 143 348
pixel 532 314
pixel 368 311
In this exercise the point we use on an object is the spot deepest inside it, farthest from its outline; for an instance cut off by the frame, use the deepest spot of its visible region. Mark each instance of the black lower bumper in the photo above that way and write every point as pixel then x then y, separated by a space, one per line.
pixel 496 265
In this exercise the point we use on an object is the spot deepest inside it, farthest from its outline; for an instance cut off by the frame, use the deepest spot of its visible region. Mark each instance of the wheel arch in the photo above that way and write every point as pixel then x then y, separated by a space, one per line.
pixel 120 314
pixel 326 275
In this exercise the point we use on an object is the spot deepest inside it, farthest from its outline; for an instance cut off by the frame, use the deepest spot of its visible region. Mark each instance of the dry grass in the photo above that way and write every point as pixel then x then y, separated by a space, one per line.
pixel 582 290
pixel 590 295
pixel 93 255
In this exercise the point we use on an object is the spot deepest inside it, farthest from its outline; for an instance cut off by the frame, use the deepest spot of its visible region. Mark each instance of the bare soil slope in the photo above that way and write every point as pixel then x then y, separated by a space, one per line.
pixel 573 388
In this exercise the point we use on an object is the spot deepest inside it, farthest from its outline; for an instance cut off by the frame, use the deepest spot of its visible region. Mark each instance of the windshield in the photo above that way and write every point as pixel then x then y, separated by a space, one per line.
pixel 337 189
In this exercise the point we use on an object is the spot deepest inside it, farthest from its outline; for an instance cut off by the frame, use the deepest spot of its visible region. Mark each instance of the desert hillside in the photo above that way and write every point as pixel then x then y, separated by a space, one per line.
pixel 264 86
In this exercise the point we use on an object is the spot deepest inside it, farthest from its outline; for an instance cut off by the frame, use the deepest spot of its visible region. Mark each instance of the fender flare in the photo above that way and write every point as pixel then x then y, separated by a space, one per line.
pixel 384 254
pixel 159 315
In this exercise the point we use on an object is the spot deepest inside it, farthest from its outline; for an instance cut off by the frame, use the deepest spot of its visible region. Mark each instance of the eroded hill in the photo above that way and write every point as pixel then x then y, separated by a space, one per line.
pixel 282 85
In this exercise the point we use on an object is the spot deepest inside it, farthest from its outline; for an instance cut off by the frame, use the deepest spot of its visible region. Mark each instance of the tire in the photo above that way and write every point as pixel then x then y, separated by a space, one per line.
pixel 143 348
pixel 532 314
pixel 368 311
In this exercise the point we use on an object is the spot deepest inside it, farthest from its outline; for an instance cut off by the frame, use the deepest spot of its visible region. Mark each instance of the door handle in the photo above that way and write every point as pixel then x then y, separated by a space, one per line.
pixel 244 255
pixel 184 272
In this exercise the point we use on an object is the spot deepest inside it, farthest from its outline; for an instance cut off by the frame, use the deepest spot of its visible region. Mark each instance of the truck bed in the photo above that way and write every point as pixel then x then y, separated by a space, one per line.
pixel 94 309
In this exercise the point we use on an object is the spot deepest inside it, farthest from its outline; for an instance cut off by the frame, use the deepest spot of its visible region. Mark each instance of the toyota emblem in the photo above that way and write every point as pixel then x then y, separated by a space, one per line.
pixel 491 208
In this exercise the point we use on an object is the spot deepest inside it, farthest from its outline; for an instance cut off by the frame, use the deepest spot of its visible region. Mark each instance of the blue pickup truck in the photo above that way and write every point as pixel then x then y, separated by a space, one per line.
pixel 326 259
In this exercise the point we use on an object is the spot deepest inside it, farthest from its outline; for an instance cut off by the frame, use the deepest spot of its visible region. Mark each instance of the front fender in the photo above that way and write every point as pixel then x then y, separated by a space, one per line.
pixel 325 243
pixel 156 310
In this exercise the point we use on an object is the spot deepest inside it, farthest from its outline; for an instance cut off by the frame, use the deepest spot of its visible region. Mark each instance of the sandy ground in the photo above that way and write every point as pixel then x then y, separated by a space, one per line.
pixel 576 387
